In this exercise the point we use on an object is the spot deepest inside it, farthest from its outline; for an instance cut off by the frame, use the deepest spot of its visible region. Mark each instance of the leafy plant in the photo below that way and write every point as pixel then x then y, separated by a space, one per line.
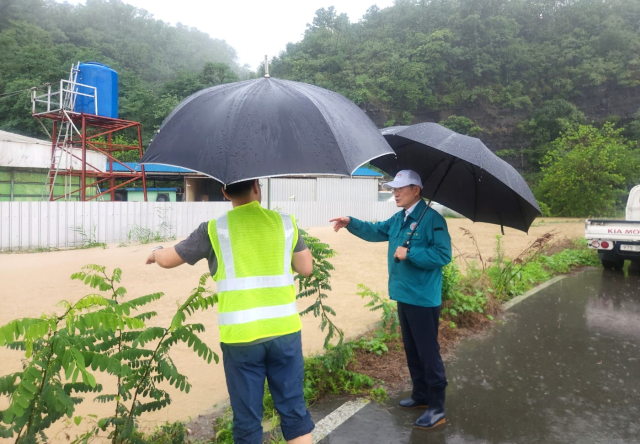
pixel 389 318
pixel 329 374
pixel 378 394
pixel 46 388
pixel 97 333
pixel 462 125
pixel 316 284
pixel 168 433
pixel 456 302
pixel 377 344
pixel 223 428
pixel 588 172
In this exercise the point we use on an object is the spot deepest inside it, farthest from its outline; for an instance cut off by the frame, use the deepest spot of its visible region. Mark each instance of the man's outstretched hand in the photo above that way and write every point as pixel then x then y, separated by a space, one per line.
pixel 340 222
pixel 151 259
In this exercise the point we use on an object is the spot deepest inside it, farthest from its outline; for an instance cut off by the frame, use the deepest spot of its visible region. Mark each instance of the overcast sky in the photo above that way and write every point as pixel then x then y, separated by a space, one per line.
pixel 253 27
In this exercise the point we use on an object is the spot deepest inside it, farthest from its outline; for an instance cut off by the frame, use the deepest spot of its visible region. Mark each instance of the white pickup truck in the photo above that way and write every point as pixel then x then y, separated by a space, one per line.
pixel 617 240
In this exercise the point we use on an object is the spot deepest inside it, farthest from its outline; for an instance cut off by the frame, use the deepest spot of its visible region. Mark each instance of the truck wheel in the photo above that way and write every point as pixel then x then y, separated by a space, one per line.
pixel 615 264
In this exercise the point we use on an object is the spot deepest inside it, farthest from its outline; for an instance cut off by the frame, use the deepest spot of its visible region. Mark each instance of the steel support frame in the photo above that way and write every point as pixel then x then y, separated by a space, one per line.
pixel 91 128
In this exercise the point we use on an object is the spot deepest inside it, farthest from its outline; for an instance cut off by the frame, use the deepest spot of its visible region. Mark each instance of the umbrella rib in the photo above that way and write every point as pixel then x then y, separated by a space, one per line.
pixel 446 173
pixel 239 104
pixel 470 168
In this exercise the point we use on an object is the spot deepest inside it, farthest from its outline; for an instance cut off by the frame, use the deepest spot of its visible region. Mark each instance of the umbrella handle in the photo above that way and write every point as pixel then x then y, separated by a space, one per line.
pixel 405 245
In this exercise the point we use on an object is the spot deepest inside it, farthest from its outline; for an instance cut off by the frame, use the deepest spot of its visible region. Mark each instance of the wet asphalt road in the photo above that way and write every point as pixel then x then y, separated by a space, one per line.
pixel 563 367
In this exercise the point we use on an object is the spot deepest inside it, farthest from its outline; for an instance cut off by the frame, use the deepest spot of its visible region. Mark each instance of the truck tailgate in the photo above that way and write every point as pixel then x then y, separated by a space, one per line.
pixel 613 229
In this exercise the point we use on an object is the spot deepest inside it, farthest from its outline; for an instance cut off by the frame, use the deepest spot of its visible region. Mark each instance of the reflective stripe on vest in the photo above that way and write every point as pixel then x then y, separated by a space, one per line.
pixel 232 283
pixel 257 314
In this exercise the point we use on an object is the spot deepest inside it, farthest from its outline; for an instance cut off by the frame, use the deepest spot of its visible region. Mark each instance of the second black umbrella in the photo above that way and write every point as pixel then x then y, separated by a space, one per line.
pixel 461 173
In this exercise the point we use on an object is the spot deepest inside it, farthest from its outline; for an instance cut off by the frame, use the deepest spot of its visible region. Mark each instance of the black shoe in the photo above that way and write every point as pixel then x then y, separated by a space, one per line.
pixel 434 416
pixel 409 403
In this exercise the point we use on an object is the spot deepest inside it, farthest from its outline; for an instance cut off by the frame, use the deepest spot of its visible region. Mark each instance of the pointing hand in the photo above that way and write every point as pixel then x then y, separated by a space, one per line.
pixel 340 222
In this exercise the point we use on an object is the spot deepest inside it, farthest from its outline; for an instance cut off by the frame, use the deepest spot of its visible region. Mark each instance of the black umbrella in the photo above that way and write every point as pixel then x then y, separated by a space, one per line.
pixel 266 127
pixel 461 173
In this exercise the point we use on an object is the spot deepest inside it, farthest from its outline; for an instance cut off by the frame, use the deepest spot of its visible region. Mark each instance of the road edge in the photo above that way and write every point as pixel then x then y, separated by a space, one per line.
pixel 509 304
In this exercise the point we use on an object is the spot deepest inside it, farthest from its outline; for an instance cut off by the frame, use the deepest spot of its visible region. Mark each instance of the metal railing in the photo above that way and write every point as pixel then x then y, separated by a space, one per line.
pixel 62 99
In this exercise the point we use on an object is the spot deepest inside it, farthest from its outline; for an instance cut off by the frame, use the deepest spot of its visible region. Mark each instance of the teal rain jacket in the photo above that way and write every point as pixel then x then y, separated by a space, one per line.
pixel 418 279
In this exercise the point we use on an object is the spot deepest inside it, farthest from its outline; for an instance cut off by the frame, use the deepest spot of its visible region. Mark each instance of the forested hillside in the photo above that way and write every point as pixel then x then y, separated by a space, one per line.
pixel 519 69
pixel 553 86
pixel 158 64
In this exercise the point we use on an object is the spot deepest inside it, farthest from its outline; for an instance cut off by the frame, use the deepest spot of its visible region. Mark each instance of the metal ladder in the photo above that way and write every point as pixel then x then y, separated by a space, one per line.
pixel 64 141
pixel 61 158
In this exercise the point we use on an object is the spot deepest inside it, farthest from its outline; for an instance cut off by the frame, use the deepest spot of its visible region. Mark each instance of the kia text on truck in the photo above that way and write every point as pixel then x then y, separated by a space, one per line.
pixel 617 240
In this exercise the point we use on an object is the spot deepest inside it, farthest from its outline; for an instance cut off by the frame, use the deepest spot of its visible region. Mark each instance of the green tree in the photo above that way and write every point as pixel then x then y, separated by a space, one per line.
pixel 634 127
pixel 588 172
pixel 546 124
pixel 40 39
pixel 462 125
pixel 423 58
pixel 217 74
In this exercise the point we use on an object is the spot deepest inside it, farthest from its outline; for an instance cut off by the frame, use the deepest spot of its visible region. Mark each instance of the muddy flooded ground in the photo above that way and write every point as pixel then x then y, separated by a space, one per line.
pixel 32 283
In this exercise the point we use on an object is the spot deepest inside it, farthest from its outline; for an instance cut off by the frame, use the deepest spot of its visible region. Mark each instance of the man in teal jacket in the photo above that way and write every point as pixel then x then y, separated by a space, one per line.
pixel 415 282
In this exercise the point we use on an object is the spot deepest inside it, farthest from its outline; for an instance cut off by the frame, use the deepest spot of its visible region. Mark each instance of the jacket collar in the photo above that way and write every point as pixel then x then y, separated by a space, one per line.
pixel 417 211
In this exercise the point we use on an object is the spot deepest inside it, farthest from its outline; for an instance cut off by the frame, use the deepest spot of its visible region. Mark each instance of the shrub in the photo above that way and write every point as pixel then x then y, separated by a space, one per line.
pixel 456 302
pixel 588 172
pixel 97 333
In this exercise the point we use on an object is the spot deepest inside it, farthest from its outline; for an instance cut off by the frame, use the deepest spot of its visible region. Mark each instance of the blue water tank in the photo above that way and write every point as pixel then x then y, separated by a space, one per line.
pixel 105 80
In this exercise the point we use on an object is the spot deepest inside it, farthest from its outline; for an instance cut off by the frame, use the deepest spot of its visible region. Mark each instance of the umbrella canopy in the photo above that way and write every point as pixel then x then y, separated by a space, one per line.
pixel 266 127
pixel 461 173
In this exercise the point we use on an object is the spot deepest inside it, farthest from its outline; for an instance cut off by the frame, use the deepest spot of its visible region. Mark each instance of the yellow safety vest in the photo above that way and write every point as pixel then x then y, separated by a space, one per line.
pixel 256 293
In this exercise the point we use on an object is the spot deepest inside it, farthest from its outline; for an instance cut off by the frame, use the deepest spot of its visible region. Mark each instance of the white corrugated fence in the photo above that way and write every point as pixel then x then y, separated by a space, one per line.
pixel 32 225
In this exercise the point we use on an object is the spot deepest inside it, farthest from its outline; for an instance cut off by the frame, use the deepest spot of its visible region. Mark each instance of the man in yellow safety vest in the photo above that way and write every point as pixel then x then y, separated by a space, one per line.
pixel 252 254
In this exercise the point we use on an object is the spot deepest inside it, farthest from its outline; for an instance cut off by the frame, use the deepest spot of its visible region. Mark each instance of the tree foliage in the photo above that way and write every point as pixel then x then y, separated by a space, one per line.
pixel 432 58
pixel 545 125
pixel 158 64
pixel 316 285
pixel 588 172
pixel 462 125
pixel 441 54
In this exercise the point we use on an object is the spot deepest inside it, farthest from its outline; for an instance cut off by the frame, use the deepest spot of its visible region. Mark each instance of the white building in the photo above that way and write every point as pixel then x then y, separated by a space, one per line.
pixel 25 163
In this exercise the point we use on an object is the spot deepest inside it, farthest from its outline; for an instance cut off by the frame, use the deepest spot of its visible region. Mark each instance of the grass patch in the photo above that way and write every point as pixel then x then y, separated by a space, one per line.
pixel 89 239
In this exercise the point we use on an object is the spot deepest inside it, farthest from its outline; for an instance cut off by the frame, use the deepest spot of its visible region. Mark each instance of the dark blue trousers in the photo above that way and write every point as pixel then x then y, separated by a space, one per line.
pixel 420 336
pixel 280 361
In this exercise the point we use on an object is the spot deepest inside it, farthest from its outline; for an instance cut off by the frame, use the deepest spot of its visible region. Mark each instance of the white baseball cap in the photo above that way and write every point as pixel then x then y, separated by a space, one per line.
pixel 404 178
